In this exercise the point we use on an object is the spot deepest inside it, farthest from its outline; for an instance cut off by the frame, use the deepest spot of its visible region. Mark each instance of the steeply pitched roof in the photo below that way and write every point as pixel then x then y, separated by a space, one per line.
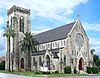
pixel 54 34
pixel 54 52
pixel 39 53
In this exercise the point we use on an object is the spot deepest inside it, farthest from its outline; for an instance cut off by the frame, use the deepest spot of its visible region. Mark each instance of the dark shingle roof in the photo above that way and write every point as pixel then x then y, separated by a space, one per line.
pixel 38 53
pixel 54 52
pixel 54 34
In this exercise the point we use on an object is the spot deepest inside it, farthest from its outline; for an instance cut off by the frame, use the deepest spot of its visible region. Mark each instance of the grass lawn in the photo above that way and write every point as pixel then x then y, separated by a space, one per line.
pixel 67 74
pixel 98 74
pixel 26 73
pixel 41 75
pixel 19 73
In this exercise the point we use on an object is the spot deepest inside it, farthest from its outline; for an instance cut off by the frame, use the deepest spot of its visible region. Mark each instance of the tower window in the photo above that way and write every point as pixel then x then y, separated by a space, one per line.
pixel 22 24
pixel 11 21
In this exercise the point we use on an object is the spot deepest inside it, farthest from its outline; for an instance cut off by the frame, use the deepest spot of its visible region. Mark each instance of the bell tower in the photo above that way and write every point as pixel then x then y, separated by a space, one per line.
pixel 21 17
pixel 19 20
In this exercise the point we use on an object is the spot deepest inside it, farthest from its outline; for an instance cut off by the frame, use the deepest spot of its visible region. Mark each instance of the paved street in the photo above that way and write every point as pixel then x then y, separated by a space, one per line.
pixel 4 75
pixel 78 77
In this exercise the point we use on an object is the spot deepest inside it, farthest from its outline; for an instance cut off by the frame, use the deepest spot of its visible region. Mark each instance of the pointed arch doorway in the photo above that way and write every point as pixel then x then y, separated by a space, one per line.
pixel 22 63
pixel 81 61
pixel 48 61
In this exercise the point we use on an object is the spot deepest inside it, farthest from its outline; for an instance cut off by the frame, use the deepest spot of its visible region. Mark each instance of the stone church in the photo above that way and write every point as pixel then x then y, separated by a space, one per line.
pixel 66 45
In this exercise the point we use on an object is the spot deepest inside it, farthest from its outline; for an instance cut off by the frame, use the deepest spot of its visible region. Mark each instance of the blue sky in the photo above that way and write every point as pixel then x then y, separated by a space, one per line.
pixel 48 14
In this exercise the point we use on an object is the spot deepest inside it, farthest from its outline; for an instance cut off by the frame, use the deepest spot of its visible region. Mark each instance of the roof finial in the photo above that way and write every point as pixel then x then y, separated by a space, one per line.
pixel 78 16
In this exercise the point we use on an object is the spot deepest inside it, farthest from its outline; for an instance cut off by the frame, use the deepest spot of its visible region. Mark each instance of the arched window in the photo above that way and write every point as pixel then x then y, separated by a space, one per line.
pixel 22 24
pixel 64 43
pixel 40 61
pixel 61 43
pixel 33 61
pixel 13 23
pixel 64 60
pixel 48 61
pixel 53 44
pixel 11 20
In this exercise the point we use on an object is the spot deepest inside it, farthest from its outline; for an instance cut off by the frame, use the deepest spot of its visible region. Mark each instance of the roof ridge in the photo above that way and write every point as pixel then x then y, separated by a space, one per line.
pixel 54 34
pixel 54 28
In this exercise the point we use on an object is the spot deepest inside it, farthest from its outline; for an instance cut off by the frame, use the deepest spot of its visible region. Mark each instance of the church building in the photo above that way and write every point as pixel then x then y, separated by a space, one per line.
pixel 66 45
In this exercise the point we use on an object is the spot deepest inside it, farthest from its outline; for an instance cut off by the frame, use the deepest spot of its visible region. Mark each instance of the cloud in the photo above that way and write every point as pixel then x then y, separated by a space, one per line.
pixel 97 50
pixel 95 44
pixel 2 43
pixel 45 8
pixel 40 29
pixel 92 26
pixel 95 41
pixel 1 19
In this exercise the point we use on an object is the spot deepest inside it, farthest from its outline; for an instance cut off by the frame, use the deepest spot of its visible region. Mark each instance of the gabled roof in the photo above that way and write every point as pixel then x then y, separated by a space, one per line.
pixel 54 34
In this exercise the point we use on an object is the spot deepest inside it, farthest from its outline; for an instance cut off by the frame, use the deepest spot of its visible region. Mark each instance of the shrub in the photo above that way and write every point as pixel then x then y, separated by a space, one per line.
pixel 89 70
pixel 38 72
pixel 56 72
pixel 67 69
pixel 2 65
pixel 95 70
pixel 75 71
pixel 46 72
pixel 99 68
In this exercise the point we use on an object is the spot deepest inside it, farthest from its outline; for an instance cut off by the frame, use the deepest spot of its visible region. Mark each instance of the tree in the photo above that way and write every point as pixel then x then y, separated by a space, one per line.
pixel 95 58
pixel 9 32
pixel 28 44
pixel 2 65
pixel 92 51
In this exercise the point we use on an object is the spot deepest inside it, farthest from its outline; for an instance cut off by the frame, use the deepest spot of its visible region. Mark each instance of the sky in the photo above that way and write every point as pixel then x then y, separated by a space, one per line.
pixel 49 14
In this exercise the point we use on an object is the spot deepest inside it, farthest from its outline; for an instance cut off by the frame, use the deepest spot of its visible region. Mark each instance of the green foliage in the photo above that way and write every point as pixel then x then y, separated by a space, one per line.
pixel 67 69
pixel 41 72
pixel 92 70
pixel 95 70
pixel 75 71
pixel 2 65
pixel 9 32
pixel 97 62
pixel 56 71
pixel 38 72
pixel 96 59
pixel 92 51
pixel 28 43
pixel 89 70
pixel 99 68
pixel 46 72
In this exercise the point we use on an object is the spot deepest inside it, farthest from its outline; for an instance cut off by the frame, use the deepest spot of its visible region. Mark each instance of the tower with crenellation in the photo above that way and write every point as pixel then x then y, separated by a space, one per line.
pixel 19 20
